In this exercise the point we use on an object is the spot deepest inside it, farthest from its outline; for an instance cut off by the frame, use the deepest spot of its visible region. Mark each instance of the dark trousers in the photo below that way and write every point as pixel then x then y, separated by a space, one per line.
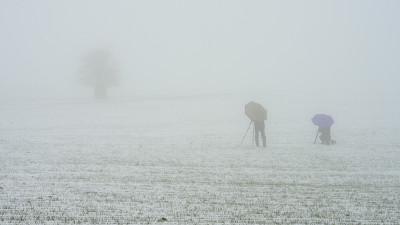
pixel 259 127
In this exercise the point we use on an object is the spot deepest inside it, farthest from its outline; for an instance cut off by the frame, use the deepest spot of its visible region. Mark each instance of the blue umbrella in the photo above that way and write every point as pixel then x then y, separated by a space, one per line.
pixel 322 120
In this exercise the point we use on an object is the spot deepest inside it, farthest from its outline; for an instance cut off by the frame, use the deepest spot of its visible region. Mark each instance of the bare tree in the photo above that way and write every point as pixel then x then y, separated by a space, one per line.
pixel 98 69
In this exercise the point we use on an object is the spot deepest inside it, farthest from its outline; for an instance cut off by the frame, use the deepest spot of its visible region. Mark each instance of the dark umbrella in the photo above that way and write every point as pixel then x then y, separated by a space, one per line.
pixel 322 120
pixel 255 112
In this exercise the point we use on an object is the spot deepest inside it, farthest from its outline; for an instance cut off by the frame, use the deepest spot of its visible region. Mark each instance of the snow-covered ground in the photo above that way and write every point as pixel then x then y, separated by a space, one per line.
pixel 138 160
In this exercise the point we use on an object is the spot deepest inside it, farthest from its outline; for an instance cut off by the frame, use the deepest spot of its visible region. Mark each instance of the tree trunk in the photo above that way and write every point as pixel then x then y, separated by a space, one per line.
pixel 100 91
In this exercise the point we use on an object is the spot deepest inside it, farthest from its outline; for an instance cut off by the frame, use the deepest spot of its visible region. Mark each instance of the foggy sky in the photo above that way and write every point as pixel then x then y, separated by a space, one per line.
pixel 172 46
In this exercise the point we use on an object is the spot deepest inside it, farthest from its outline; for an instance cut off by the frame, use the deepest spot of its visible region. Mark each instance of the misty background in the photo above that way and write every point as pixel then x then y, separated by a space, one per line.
pixel 170 140
pixel 344 48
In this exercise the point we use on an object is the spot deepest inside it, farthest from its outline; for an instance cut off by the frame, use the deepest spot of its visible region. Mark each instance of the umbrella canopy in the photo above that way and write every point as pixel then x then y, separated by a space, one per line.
pixel 322 120
pixel 255 111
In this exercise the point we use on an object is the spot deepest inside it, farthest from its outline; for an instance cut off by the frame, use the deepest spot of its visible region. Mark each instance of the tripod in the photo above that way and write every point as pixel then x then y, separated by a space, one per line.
pixel 246 134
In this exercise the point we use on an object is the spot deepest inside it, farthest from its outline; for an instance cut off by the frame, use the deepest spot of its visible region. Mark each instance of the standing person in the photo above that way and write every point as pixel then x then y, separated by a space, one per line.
pixel 259 127
pixel 325 135
pixel 257 114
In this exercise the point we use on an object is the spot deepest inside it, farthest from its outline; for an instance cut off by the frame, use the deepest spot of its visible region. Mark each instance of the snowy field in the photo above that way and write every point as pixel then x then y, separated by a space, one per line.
pixel 138 160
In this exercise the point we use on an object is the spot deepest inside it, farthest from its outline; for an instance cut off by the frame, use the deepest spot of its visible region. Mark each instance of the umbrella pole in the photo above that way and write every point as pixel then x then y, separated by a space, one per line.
pixel 316 137
pixel 246 132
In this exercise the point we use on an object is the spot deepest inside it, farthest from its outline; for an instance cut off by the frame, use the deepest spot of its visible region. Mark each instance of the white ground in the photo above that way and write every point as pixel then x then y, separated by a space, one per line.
pixel 135 161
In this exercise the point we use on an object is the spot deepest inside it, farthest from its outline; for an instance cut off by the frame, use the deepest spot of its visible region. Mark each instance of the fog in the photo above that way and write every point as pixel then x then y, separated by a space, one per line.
pixel 181 47
pixel 160 133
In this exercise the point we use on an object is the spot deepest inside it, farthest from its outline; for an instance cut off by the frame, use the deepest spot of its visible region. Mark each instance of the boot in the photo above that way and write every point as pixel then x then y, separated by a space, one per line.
pixel 257 143
pixel 264 139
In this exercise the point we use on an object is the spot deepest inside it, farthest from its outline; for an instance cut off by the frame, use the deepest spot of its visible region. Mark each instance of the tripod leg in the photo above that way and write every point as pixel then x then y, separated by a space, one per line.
pixel 316 137
pixel 254 132
pixel 246 132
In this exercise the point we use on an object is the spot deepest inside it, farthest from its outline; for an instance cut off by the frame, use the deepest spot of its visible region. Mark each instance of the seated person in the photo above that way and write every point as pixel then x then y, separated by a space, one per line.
pixel 325 135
